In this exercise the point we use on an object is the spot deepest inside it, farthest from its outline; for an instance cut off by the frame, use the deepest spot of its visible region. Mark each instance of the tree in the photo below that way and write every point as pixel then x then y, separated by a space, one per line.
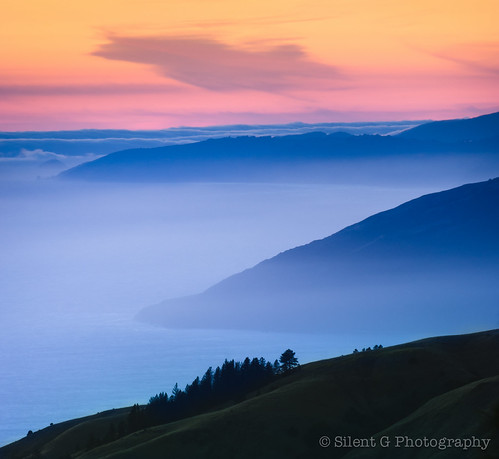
pixel 175 392
pixel 288 360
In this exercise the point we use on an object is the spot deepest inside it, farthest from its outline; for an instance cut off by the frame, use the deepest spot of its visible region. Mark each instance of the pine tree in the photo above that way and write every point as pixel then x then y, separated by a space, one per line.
pixel 288 360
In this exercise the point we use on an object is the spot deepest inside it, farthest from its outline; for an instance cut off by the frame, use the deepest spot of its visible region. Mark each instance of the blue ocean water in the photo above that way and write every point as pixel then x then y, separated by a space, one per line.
pixel 73 369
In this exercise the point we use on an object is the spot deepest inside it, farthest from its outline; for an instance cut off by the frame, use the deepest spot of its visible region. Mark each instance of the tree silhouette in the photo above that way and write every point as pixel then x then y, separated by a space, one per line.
pixel 232 381
pixel 288 360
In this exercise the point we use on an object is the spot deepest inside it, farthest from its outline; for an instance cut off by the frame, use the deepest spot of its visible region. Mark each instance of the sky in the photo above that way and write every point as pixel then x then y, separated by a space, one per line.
pixel 152 64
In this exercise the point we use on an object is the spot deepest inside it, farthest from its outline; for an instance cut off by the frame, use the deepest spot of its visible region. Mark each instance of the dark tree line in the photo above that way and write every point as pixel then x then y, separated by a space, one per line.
pixel 375 348
pixel 229 382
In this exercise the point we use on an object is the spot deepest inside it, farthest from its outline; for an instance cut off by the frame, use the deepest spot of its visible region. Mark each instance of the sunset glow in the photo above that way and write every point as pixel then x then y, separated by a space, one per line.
pixel 159 63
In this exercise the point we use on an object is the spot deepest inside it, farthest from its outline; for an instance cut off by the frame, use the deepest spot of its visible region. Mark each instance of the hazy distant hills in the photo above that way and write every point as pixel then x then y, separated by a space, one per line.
pixel 22 154
pixel 438 388
pixel 431 264
pixel 105 141
pixel 306 157
pixel 479 128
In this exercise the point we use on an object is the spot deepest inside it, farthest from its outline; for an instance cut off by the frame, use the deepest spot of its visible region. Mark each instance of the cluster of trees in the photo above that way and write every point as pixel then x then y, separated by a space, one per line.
pixel 229 382
pixel 375 348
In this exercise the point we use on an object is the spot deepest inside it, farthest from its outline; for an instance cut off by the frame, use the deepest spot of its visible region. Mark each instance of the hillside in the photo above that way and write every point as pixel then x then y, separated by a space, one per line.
pixel 306 157
pixel 479 128
pixel 105 141
pixel 434 388
pixel 419 265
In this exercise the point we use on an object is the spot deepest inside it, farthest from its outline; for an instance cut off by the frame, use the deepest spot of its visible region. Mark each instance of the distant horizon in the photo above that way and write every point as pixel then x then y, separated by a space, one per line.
pixel 262 124
pixel 233 125
pixel 359 122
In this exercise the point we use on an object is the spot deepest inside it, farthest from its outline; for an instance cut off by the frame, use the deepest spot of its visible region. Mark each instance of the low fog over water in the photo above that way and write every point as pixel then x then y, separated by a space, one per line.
pixel 86 248
pixel 79 260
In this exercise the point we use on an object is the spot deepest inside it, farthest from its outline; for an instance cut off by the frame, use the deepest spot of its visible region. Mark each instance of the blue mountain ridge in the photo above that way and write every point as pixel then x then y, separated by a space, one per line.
pixel 479 128
pixel 105 141
pixel 311 156
pixel 430 264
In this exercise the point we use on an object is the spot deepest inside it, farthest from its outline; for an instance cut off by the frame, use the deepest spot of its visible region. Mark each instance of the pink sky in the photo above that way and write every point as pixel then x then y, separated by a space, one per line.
pixel 157 64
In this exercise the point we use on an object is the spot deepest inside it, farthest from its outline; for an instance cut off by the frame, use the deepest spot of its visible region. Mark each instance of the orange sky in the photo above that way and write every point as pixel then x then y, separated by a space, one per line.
pixel 157 63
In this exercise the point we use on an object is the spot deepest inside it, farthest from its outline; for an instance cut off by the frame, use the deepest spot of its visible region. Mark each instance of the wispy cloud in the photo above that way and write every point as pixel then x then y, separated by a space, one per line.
pixel 7 90
pixel 187 27
pixel 210 64
pixel 264 20
pixel 480 58
pixel 39 155
pixel 33 155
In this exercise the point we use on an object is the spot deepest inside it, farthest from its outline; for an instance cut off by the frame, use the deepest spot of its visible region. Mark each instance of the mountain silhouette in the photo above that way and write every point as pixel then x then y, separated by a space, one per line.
pixel 105 141
pixel 313 156
pixel 430 264
pixel 479 128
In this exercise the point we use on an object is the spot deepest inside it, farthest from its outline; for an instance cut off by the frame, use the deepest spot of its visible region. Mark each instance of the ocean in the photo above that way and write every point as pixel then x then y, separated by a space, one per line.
pixel 66 371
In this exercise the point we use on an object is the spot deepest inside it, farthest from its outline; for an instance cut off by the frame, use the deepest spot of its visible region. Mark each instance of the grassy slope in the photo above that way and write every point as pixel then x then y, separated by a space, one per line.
pixel 55 440
pixel 437 387
pixel 471 410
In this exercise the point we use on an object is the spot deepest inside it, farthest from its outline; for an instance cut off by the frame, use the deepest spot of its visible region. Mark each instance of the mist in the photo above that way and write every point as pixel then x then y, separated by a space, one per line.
pixel 91 248
pixel 80 260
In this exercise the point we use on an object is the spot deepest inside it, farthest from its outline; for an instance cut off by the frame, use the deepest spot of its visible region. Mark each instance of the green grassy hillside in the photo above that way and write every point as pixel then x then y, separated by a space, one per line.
pixel 435 388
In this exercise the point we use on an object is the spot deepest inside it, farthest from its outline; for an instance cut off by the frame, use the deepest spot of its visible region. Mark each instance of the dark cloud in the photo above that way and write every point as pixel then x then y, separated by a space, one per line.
pixel 211 64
